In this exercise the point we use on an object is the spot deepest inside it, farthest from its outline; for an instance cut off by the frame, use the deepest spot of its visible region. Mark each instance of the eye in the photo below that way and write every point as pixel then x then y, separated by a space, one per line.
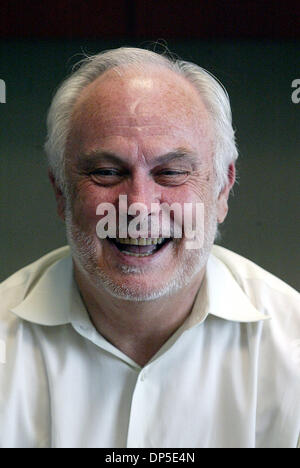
pixel 106 176
pixel 105 172
pixel 171 177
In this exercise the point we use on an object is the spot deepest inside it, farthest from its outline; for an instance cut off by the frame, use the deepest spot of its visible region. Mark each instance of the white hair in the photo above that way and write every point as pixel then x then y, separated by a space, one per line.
pixel 213 93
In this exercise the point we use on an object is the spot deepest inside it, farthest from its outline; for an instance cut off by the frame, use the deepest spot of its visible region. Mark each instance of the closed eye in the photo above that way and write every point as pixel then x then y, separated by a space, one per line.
pixel 173 172
pixel 105 172
pixel 107 176
pixel 171 177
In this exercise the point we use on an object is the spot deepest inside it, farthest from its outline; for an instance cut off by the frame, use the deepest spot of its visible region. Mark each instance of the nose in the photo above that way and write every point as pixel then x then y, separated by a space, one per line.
pixel 143 189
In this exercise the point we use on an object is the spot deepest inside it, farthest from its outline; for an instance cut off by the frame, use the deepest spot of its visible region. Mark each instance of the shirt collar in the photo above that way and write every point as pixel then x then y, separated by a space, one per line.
pixel 225 297
pixel 55 297
pixel 221 296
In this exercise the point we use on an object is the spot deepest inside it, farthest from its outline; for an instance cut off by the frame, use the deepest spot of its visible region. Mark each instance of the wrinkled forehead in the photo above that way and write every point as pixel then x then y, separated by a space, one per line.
pixel 152 93
pixel 151 111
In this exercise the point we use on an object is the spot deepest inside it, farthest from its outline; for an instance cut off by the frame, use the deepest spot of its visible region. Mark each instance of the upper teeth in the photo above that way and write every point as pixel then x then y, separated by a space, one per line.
pixel 141 241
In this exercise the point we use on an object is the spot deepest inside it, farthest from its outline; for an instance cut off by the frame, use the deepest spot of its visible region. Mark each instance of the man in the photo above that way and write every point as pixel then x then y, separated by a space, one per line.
pixel 138 340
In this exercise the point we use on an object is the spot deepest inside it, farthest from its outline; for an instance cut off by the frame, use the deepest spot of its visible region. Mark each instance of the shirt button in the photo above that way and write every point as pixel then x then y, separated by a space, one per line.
pixel 143 376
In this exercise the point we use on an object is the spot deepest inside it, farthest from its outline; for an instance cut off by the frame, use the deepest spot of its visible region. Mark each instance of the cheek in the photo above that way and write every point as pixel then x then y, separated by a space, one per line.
pixel 85 202
pixel 194 190
pixel 199 191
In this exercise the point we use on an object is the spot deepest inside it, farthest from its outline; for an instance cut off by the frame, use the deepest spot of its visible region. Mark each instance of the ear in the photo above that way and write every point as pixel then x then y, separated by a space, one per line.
pixel 222 203
pixel 60 198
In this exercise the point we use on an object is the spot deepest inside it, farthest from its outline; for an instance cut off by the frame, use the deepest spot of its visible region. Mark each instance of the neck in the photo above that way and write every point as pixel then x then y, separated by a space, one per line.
pixel 138 329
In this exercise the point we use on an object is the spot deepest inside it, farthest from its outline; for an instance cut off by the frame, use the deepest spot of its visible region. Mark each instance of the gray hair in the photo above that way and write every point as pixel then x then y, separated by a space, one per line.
pixel 214 96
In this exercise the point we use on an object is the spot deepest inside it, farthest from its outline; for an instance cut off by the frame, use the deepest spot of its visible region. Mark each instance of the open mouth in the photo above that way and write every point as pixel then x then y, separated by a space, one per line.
pixel 141 247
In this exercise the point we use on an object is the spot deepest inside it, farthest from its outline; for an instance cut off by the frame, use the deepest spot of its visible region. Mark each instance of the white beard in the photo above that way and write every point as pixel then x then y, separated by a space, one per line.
pixel 84 251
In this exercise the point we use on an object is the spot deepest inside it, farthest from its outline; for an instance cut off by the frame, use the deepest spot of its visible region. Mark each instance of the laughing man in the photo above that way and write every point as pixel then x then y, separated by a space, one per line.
pixel 139 341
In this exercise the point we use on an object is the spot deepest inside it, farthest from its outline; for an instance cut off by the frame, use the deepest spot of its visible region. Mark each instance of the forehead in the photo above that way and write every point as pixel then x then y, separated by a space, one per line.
pixel 134 102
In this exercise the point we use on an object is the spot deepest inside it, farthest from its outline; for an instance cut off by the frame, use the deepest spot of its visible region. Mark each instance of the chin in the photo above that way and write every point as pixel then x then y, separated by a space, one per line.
pixel 134 289
pixel 135 284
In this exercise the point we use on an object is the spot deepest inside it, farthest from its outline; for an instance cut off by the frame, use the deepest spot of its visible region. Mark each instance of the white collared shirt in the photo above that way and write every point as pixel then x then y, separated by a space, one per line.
pixel 228 377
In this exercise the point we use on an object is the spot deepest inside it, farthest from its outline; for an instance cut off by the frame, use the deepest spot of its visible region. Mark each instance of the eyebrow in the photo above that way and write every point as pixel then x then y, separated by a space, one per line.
pixel 179 154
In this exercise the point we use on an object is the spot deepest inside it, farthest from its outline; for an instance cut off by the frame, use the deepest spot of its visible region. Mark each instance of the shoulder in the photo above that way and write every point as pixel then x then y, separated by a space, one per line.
pixel 23 376
pixel 245 271
pixel 271 296
pixel 14 289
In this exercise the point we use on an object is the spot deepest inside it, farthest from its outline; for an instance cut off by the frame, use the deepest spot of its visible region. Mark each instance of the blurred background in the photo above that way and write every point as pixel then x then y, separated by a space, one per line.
pixel 253 47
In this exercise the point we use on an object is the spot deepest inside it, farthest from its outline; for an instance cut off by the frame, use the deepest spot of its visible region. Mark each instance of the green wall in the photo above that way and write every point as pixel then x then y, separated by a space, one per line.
pixel 263 221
